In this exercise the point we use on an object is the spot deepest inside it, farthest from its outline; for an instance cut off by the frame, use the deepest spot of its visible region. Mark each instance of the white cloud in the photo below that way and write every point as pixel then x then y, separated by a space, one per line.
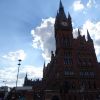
pixel 43 37
pixel 20 54
pixel 32 71
pixel 77 5
pixel 91 3
pixel 9 69
pixel 93 28
pixel 75 32
pixel 45 34
pixel 9 74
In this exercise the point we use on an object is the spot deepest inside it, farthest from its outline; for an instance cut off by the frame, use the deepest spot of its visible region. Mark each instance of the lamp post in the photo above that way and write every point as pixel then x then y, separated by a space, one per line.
pixel 5 89
pixel 18 70
pixel 5 82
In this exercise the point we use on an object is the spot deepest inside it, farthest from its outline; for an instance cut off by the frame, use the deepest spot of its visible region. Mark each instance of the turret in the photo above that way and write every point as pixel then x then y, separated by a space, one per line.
pixel 89 37
pixel 69 18
pixel 26 76
pixel 25 80
pixel 44 64
pixel 44 67
pixel 69 21
pixel 52 55
pixel 79 34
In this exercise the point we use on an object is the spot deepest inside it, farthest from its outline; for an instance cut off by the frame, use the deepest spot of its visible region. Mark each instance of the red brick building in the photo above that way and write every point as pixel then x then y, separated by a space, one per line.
pixel 73 72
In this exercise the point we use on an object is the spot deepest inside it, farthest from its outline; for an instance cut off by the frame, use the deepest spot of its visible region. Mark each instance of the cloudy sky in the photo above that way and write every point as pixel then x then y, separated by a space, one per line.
pixel 27 33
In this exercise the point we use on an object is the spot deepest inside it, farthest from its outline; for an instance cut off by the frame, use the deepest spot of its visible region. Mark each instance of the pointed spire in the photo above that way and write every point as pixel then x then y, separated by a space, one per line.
pixel 69 21
pixel 57 12
pixel 61 11
pixel 69 17
pixel 25 80
pixel 60 5
pixel 57 15
pixel 88 36
pixel 44 64
pixel 52 55
pixel 79 34
pixel 26 76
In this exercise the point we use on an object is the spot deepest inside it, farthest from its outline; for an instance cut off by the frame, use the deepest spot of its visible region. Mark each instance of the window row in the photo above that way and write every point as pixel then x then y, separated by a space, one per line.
pixel 68 54
pixel 87 74
pixel 87 85
pixel 68 61
pixel 66 42
pixel 68 73
pixel 82 97
pixel 84 62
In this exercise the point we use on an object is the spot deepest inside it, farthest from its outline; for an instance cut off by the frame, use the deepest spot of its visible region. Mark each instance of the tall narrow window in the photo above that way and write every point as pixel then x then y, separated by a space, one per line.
pixel 67 60
pixel 66 42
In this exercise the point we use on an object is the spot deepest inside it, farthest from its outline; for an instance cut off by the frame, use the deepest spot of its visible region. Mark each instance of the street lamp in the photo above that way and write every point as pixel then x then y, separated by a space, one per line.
pixel 5 82
pixel 18 70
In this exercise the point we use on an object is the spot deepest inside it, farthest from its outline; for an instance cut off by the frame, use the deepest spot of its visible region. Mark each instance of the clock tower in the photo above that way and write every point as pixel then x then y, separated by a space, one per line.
pixel 61 21
pixel 63 29
pixel 61 61
pixel 73 72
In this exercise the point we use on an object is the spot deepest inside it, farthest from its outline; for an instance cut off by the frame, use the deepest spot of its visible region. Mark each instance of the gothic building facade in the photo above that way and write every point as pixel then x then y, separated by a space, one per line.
pixel 73 72
pixel 30 82
pixel 73 69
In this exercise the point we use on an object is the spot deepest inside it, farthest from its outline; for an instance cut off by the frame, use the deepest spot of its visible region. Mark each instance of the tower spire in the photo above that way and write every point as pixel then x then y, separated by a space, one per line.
pixel 25 80
pixel 79 34
pixel 88 36
pixel 69 17
pixel 60 5
pixel 44 64
pixel 26 76
pixel 69 20
pixel 61 11
pixel 52 55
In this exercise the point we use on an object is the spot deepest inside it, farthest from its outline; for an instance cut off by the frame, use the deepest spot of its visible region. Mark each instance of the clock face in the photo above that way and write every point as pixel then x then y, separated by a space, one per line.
pixel 64 23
